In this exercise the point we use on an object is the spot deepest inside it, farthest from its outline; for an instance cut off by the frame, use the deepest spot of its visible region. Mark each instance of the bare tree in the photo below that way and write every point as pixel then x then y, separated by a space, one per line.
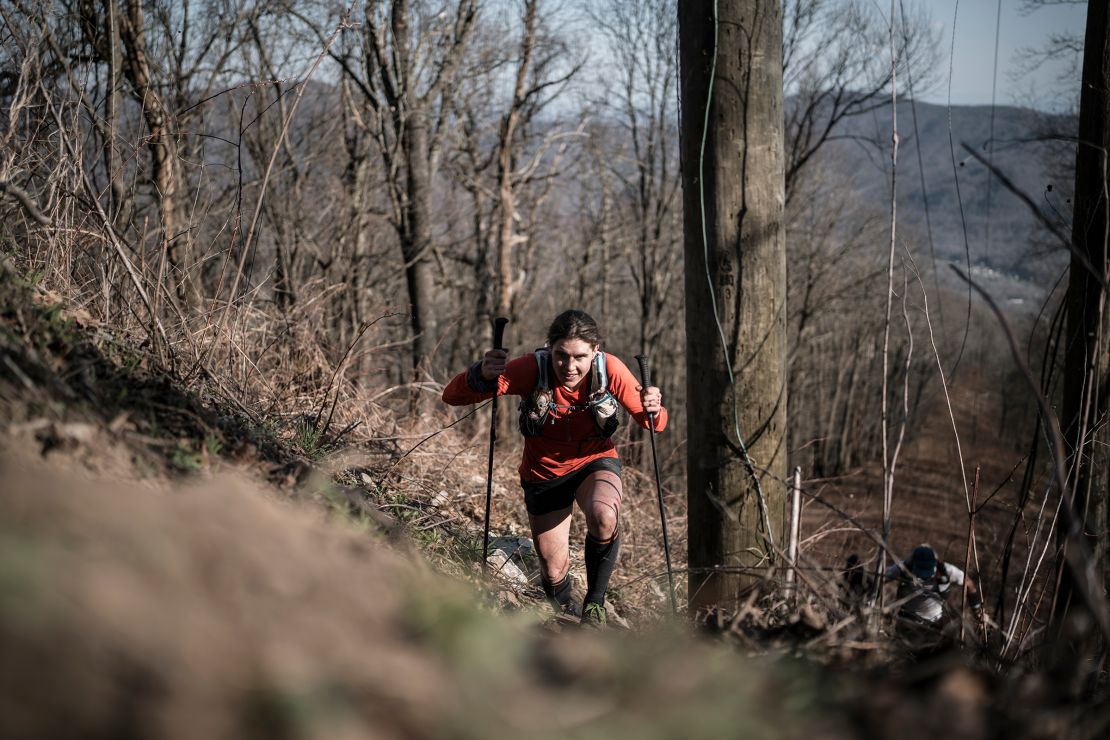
pixel 508 151
pixel 640 96
pixel 173 56
pixel 405 64
pixel 1062 48
pixel 399 70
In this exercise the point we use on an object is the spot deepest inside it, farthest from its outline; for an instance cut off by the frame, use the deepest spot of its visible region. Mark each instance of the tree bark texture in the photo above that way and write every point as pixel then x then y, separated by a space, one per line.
pixel 506 210
pixel 416 240
pixel 1087 360
pixel 746 275
pixel 119 204
pixel 163 159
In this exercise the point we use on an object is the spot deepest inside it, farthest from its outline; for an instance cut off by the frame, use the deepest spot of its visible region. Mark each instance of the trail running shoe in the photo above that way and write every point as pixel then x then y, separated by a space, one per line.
pixel 570 609
pixel 593 616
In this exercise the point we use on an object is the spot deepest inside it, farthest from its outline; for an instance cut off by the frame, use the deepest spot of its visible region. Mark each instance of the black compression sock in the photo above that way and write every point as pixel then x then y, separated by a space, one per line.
pixel 601 558
pixel 557 593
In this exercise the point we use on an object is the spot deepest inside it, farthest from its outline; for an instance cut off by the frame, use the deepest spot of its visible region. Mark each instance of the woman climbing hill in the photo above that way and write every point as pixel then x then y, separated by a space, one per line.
pixel 570 391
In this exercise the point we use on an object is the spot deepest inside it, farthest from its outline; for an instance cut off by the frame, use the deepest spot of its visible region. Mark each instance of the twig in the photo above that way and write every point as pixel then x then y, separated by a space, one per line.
pixel 468 414
pixel 338 368
pixel 967 555
pixel 1045 221
pixel 888 463
pixel 24 199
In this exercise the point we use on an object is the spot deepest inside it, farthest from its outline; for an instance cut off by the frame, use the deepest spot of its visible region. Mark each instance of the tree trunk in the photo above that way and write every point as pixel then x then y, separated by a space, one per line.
pixel 1087 361
pixel 416 241
pixel 163 161
pixel 742 181
pixel 506 210
pixel 113 163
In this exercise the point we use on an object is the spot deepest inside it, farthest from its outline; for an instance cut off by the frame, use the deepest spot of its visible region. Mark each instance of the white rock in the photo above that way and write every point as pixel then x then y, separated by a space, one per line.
pixel 513 558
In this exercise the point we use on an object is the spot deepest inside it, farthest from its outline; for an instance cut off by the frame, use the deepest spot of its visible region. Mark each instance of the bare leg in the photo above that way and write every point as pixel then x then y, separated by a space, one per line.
pixel 550 534
pixel 599 497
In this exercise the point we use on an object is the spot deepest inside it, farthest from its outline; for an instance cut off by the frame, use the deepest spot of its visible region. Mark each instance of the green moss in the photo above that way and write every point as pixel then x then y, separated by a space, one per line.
pixel 185 458
pixel 471 641
pixel 23 601
pixel 292 712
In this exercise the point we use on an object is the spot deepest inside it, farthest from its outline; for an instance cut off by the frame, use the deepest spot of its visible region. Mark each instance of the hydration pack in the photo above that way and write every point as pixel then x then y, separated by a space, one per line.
pixel 938 583
pixel 536 408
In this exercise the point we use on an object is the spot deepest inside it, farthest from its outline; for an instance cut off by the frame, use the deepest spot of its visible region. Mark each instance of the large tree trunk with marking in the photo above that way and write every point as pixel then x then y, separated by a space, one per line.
pixel 1087 364
pixel 743 288
pixel 416 241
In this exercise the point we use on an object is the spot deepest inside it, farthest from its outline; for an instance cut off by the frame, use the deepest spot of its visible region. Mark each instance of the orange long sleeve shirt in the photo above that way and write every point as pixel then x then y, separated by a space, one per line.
pixel 569 438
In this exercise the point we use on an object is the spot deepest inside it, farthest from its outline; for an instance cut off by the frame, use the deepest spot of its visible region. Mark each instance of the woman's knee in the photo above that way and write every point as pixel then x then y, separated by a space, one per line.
pixel 604 517
pixel 554 565
pixel 600 498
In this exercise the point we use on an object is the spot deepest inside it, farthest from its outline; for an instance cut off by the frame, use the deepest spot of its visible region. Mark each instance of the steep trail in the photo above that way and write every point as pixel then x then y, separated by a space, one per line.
pixel 929 504
pixel 169 569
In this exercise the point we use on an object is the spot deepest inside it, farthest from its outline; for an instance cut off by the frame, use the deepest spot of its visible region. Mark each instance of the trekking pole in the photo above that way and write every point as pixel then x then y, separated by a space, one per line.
pixel 645 378
pixel 498 335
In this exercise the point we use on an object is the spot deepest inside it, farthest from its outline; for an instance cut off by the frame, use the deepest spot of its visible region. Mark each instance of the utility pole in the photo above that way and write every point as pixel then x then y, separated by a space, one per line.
pixel 730 56
pixel 1087 360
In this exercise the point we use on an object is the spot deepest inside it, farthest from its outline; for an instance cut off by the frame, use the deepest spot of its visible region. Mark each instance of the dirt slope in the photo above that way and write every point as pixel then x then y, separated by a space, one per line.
pixel 170 569
pixel 220 609
pixel 930 501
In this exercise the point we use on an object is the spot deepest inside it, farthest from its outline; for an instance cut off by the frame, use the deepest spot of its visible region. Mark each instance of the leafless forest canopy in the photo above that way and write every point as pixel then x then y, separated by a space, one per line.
pixel 315 212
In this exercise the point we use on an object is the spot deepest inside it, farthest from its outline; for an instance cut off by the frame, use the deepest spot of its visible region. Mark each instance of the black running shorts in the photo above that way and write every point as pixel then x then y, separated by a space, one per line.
pixel 546 496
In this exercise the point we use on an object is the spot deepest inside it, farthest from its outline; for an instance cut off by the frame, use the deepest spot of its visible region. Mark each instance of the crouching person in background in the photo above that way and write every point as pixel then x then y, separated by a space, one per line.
pixel 924 584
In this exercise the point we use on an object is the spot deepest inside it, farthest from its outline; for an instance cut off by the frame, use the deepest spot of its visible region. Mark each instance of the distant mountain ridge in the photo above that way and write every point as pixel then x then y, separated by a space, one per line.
pixel 1003 236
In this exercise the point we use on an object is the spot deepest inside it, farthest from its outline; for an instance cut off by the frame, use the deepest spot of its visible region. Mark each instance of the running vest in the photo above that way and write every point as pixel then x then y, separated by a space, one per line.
pixel 937 584
pixel 536 407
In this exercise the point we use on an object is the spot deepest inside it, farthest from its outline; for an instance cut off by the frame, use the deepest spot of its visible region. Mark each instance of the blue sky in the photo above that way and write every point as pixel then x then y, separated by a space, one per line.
pixel 973 62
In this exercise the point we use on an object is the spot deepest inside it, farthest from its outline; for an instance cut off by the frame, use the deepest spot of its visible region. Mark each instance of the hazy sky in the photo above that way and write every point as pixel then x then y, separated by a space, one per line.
pixel 973 66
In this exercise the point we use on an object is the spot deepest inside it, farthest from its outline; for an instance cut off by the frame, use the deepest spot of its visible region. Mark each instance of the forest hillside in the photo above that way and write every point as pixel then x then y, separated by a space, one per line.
pixel 246 247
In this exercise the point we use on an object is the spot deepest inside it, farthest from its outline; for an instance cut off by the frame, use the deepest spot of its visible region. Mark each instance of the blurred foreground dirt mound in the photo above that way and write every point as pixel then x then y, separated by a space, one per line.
pixel 142 598
pixel 216 610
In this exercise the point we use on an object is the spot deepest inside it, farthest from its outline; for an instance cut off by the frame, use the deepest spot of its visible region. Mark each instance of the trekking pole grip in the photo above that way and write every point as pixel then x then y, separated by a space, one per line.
pixel 645 369
pixel 499 331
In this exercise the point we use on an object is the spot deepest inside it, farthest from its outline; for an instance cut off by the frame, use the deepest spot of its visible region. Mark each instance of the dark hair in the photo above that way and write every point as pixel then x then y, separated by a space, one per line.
pixel 574 324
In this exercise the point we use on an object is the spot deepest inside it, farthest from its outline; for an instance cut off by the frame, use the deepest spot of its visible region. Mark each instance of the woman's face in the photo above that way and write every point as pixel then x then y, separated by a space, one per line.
pixel 572 359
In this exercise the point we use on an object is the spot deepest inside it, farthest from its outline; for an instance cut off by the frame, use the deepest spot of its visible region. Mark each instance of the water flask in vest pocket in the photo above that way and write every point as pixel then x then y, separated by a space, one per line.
pixel 534 411
pixel 541 402
pixel 603 408
pixel 604 405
